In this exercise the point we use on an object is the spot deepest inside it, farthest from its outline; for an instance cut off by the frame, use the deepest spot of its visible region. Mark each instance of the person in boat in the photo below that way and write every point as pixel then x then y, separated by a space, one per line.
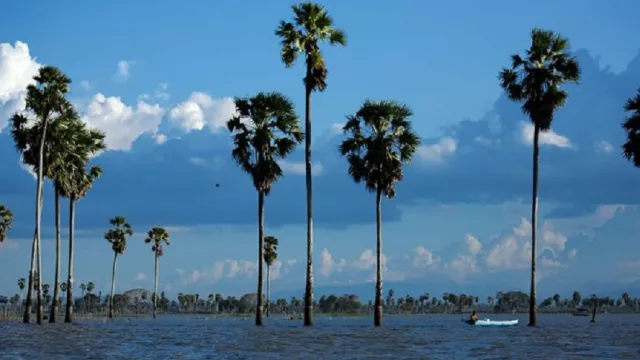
pixel 474 317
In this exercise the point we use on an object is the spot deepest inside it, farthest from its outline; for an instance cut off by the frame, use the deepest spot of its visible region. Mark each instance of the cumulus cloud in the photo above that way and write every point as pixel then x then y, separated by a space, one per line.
pixel 604 147
pixel 122 123
pixel 226 269
pixel 438 152
pixel 550 138
pixel 124 70
pixel 17 69
pixel 367 260
pixel 466 263
pixel 572 253
pixel 202 110
pixel 328 264
pixel 298 168
pixel 424 258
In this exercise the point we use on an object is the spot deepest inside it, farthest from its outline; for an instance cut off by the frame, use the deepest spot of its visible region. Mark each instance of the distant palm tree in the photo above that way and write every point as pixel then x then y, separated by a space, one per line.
pixel 270 255
pixel 6 218
pixel 21 285
pixel 265 129
pixel 535 80
pixel 90 287
pixel 631 148
pixel 45 101
pixel 379 141
pixel 156 236
pixel 311 26
pixel 117 237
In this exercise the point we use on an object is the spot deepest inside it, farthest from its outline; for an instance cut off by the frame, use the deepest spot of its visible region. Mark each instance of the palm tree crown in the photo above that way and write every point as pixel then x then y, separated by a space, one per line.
pixel 379 140
pixel 157 236
pixel 311 26
pixel 119 234
pixel 536 79
pixel 631 148
pixel 270 249
pixel 6 218
pixel 266 128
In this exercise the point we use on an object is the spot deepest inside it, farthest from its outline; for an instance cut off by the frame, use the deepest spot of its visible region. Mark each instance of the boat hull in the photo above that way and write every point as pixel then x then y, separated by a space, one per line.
pixel 488 322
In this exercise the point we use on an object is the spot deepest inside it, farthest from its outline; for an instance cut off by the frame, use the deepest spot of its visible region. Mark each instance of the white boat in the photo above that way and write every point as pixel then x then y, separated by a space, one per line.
pixel 489 322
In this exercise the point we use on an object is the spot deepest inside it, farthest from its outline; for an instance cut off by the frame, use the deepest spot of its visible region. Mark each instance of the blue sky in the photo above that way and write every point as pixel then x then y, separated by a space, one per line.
pixel 160 81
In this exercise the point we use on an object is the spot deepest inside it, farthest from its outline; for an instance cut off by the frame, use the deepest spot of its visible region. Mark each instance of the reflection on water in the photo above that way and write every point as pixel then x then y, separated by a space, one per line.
pixel 401 337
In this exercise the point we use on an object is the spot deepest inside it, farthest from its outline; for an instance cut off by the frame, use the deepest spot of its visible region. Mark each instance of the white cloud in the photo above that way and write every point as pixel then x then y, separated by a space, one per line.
pixel 336 128
pixel 291 262
pixel 550 137
pixel 200 110
pixel 86 85
pixel 124 70
pixel 604 147
pixel 438 152
pixel 223 269
pixel 161 93
pixel 424 258
pixel 17 69
pixel 466 263
pixel 197 161
pixel 140 276
pixel 327 263
pixel 367 260
pixel 555 241
pixel 572 253
pixel 122 123
pixel 298 168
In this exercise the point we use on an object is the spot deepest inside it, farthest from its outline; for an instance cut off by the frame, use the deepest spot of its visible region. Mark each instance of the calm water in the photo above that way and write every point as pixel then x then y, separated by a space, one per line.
pixel 402 337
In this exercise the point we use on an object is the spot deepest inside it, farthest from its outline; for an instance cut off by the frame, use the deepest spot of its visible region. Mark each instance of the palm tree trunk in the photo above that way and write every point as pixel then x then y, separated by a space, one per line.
pixel 534 222
pixel 155 284
pixel 28 306
pixel 69 315
pixel 308 294
pixel 39 197
pixel 40 300
pixel 56 287
pixel 113 284
pixel 268 289
pixel 260 256
pixel 377 315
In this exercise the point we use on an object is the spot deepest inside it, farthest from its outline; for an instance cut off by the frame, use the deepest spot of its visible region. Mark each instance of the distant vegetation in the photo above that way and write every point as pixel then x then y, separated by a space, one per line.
pixel 139 302
pixel 59 147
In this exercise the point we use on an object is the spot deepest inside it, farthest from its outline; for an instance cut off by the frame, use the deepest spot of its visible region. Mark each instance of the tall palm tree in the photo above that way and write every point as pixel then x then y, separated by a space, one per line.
pixel 631 148
pixel 75 186
pixel 270 255
pixel 21 285
pixel 379 141
pixel 117 237
pixel 310 27
pixel 45 101
pixel 6 218
pixel 265 129
pixel 156 236
pixel 90 287
pixel 535 81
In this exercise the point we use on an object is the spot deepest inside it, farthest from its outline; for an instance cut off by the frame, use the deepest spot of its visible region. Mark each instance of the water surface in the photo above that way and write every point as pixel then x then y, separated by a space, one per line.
pixel 401 337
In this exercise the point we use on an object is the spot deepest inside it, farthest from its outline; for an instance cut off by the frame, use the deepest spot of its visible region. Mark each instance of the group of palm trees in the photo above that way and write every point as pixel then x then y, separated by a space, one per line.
pixel 379 141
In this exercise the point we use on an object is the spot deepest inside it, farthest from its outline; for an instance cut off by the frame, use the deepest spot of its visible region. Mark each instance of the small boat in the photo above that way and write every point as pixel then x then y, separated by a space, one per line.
pixel 489 322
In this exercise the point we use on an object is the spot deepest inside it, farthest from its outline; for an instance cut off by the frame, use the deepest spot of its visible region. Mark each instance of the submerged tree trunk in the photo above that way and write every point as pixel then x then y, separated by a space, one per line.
pixel 113 284
pixel 69 315
pixel 39 197
pixel 38 279
pixel 56 286
pixel 260 256
pixel 308 294
pixel 268 289
pixel 377 315
pixel 155 284
pixel 534 222
pixel 28 306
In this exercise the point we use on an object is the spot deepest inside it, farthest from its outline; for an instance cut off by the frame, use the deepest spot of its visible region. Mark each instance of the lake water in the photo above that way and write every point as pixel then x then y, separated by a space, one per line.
pixel 401 337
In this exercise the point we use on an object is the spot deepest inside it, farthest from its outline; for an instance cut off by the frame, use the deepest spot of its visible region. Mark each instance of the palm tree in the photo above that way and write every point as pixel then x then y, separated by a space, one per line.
pixel 117 237
pixel 379 140
pixel 21 285
pixel 310 27
pixel 45 101
pixel 270 255
pixel 75 186
pixel 6 218
pixel 631 148
pixel 90 287
pixel 156 236
pixel 266 128
pixel 535 80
